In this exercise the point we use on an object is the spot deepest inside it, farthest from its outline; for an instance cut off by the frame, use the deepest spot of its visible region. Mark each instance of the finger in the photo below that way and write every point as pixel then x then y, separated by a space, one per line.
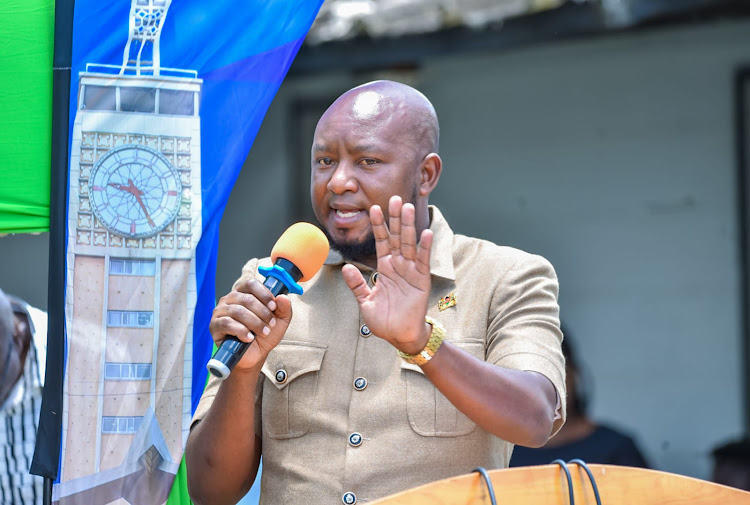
pixel 246 309
pixel 379 231
pixel 223 327
pixel 256 288
pixel 283 311
pixel 394 223
pixel 240 314
pixel 423 252
pixel 408 232
pixel 254 305
pixel 355 281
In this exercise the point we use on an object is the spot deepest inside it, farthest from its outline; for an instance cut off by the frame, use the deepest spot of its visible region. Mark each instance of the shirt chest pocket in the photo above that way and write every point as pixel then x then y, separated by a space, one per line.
pixel 429 412
pixel 290 388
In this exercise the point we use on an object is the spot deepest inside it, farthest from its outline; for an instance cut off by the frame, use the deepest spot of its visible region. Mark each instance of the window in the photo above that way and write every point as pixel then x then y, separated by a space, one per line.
pixel 132 267
pixel 130 319
pixel 179 103
pixel 127 371
pixel 137 99
pixel 120 425
pixel 98 97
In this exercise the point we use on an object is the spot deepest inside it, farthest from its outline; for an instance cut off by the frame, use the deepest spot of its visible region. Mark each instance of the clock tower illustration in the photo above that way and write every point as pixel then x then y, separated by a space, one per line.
pixel 133 226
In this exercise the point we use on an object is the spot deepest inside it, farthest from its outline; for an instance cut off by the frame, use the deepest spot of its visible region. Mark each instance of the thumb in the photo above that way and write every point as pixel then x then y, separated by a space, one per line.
pixel 355 281
pixel 283 309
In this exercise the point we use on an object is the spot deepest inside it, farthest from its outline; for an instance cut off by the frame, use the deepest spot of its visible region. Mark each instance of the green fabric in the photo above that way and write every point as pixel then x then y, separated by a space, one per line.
pixel 26 39
pixel 179 493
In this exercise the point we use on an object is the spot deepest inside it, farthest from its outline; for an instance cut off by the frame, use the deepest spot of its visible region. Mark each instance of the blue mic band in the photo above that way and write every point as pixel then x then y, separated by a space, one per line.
pixel 282 275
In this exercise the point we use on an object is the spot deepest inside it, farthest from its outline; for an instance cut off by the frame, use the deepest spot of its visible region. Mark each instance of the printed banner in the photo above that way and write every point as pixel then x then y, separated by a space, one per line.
pixel 166 99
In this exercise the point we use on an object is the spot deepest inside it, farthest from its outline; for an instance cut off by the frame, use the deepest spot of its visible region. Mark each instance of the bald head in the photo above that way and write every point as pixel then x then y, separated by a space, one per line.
pixel 394 104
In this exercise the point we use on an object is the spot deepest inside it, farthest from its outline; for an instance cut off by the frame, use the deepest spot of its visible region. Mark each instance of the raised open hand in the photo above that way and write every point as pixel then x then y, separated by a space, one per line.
pixel 395 308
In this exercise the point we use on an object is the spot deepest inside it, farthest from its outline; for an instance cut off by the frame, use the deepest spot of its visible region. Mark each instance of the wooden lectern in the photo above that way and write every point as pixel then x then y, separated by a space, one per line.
pixel 548 485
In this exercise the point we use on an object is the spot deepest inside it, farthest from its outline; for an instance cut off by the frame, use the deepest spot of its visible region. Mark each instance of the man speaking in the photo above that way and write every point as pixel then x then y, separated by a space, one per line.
pixel 415 353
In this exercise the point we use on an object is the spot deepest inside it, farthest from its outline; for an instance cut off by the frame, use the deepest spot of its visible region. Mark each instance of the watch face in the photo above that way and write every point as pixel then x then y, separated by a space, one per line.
pixel 135 191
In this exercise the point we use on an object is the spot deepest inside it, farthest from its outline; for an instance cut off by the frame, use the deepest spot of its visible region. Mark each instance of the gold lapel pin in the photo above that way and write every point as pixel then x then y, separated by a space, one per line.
pixel 447 301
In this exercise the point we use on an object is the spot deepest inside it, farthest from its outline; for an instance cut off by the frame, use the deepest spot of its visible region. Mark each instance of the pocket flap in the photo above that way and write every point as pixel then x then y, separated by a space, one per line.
pixel 294 359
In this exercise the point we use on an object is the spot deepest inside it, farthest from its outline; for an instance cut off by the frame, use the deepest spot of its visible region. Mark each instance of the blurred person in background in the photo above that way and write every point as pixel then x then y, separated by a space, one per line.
pixel 732 464
pixel 581 437
pixel 23 335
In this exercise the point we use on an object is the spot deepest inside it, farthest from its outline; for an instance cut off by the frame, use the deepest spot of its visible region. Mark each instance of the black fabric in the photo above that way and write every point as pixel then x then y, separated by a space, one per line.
pixel 604 445
pixel 47 451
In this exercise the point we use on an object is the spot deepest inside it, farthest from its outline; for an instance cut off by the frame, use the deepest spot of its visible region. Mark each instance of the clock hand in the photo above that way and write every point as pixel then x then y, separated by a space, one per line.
pixel 132 189
pixel 129 189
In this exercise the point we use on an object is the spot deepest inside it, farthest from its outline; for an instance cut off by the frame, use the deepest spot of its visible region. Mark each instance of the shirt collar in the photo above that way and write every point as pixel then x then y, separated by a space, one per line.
pixel 441 257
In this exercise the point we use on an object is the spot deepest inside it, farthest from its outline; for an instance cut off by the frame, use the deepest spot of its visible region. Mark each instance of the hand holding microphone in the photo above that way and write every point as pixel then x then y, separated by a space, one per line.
pixel 252 311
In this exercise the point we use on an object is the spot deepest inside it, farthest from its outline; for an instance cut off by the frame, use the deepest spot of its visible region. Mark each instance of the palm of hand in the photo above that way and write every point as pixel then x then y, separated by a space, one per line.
pixel 395 308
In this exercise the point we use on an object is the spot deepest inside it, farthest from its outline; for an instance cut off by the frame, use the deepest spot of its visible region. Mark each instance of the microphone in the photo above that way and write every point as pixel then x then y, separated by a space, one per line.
pixel 298 255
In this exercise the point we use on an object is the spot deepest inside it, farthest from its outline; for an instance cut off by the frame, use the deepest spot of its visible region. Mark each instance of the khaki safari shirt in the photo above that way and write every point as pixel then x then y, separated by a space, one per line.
pixel 343 418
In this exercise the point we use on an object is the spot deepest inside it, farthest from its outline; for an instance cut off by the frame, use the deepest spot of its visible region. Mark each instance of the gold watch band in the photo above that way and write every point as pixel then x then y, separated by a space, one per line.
pixel 433 344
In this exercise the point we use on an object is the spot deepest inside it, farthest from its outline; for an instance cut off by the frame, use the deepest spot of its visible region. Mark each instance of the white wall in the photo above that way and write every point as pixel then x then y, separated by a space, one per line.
pixel 613 158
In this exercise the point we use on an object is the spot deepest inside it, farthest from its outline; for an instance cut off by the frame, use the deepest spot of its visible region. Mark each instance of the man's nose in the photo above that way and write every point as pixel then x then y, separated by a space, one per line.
pixel 342 179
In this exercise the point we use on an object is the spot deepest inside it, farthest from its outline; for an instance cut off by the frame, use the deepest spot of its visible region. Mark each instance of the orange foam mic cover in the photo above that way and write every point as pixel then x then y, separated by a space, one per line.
pixel 305 246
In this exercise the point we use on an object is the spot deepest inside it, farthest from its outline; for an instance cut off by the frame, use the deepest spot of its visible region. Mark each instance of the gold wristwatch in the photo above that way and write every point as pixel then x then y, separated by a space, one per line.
pixel 433 344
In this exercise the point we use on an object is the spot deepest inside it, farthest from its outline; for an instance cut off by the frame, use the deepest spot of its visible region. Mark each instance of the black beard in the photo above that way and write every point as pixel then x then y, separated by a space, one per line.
pixel 354 251
pixel 366 248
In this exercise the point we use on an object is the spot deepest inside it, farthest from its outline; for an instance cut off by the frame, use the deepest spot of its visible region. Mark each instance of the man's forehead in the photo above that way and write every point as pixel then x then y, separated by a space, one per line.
pixel 361 138
pixel 323 146
pixel 360 133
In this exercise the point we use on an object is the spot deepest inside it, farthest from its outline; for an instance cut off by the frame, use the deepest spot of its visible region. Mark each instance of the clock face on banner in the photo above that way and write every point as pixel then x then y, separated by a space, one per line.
pixel 134 191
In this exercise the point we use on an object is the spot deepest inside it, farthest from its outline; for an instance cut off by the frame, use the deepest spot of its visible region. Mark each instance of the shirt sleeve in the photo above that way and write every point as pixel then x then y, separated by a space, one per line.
pixel 524 326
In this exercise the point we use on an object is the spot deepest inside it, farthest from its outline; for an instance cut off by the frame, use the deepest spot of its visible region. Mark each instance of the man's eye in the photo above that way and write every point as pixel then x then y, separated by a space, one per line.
pixel 369 161
pixel 325 161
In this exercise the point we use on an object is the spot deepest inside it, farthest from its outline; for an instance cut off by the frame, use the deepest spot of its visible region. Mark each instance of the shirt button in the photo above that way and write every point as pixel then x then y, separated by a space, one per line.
pixel 281 376
pixel 355 439
pixel 360 383
pixel 349 498
pixel 374 277
pixel 365 331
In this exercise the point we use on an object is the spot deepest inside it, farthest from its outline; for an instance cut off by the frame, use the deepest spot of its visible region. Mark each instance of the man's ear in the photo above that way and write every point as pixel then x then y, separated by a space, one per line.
pixel 432 166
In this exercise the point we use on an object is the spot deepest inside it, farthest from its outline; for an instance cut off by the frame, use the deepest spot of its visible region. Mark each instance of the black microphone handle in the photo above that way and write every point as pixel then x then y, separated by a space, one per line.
pixel 232 349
